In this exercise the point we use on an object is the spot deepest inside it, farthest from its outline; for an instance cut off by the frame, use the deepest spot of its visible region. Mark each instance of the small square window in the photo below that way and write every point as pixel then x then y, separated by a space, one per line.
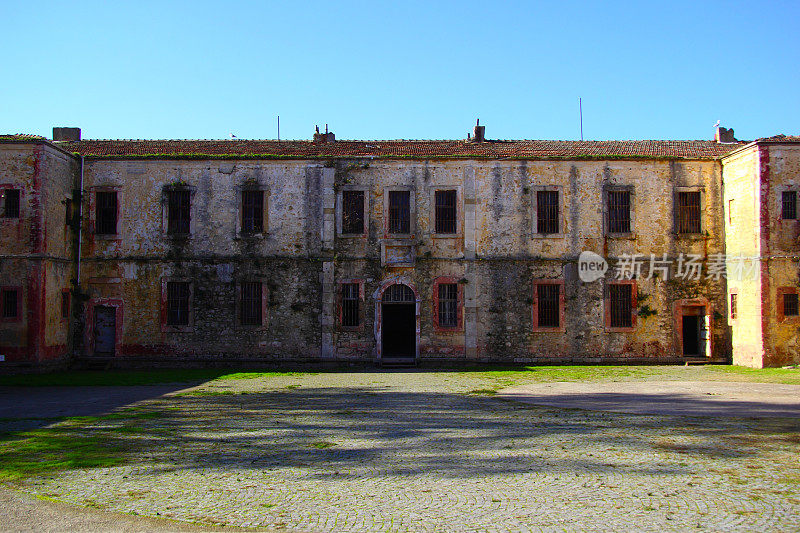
pixel 251 303
pixel 106 213
pixel 11 203
pixel 178 303
pixel 351 303
pixel 446 211
pixel 790 304
pixel 399 212
pixel 353 212
pixel 252 211
pixel 619 211
pixel 547 212
pixel 789 205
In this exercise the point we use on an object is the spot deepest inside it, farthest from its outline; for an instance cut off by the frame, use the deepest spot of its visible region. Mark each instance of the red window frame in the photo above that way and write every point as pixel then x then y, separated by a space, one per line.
pixel 781 310
pixel 561 305
pixel 634 306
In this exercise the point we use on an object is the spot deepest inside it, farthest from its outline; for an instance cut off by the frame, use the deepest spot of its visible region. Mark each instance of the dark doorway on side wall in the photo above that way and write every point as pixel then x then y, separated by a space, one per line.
pixel 398 323
pixel 105 330
pixel 693 337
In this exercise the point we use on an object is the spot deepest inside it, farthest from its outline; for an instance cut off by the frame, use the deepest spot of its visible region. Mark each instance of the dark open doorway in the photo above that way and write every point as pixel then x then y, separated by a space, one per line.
pixel 691 335
pixel 105 330
pixel 398 323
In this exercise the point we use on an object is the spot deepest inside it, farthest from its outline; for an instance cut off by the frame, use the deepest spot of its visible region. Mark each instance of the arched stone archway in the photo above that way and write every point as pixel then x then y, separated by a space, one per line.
pixel 398 323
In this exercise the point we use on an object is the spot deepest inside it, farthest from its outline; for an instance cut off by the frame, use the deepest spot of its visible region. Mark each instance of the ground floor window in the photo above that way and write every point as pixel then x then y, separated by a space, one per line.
pixel 620 305
pixel 10 303
pixel 250 303
pixel 178 303
pixel 351 305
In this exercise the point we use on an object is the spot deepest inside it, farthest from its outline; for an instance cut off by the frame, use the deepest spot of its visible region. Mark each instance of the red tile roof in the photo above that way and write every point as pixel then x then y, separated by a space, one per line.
pixel 20 137
pixel 414 149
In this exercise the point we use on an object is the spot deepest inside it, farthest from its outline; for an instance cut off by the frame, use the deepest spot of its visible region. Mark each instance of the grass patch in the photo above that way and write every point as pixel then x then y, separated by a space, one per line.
pixel 322 444
pixel 483 392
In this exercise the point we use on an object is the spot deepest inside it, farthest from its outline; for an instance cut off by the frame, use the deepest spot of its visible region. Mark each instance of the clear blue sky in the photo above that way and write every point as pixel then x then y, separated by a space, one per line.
pixel 372 70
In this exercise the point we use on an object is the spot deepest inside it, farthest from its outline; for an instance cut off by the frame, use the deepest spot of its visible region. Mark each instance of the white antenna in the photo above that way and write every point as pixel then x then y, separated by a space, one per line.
pixel 580 112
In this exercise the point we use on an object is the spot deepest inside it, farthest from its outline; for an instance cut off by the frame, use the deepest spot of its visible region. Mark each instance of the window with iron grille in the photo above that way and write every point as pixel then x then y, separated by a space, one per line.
pixel 251 303
pixel 621 302
pixel 11 203
pixel 398 293
pixel 10 302
pixel 106 213
pixel 619 211
pixel 178 303
pixel 399 212
pixel 448 305
pixel 351 300
pixel 178 212
pixel 65 304
pixel 790 304
pixel 734 298
pixel 252 211
pixel 789 205
pixel 445 211
pixel 548 303
pixel 689 212
pixel 353 212
pixel 547 212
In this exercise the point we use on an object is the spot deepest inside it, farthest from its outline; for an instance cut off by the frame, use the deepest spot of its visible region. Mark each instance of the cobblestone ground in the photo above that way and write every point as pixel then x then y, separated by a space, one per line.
pixel 408 451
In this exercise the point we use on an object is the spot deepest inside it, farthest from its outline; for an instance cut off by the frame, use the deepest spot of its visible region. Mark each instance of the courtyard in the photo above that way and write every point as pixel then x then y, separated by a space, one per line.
pixel 486 449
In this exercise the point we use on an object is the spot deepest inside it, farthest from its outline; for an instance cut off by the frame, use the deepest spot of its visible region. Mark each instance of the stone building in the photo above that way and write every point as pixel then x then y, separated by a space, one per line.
pixel 398 251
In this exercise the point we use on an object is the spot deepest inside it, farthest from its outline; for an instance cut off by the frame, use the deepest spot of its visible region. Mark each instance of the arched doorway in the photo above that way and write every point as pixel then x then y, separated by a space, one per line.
pixel 398 323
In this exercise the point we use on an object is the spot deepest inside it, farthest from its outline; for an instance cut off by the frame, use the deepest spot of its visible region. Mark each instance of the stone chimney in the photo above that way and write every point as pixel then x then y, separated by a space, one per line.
pixel 479 134
pixel 724 135
pixel 66 134
pixel 327 137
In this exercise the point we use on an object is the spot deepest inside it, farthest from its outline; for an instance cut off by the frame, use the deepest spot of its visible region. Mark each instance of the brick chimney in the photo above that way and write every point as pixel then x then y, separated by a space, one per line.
pixel 724 135
pixel 66 134
pixel 327 137
pixel 479 135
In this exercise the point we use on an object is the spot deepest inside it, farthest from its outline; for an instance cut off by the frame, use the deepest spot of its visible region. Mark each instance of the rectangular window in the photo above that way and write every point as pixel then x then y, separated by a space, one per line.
pixel 252 211
pixel 11 203
pixel 448 305
pixel 68 212
pixel 445 211
pixel 789 205
pixel 106 213
pixel 548 305
pixel 251 303
pixel 547 212
pixel 689 212
pixel 619 211
pixel 65 304
pixel 353 212
pixel 733 309
pixel 351 300
pixel 621 301
pixel 399 212
pixel 178 303
pixel 178 212
pixel 790 304
pixel 10 303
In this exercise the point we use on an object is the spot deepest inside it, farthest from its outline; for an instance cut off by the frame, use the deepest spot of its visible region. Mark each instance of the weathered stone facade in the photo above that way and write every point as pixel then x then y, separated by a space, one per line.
pixel 493 258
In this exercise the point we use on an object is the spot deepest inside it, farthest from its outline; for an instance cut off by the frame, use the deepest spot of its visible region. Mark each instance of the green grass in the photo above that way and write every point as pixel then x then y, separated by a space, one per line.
pixel 322 444
pixel 131 377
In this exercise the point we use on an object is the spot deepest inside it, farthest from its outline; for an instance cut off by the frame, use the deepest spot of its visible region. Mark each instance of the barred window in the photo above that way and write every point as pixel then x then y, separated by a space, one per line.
pixel 252 211
pixel 11 209
pixel 353 212
pixel 351 300
pixel 789 205
pixel 689 212
pixel 65 304
pixel 621 300
pixel 178 212
pixel 250 301
pixel 399 212
pixel 619 211
pixel 178 303
pixel 734 298
pixel 445 211
pixel 547 212
pixel 448 305
pixel 548 305
pixel 790 304
pixel 106 213
pixel 10 303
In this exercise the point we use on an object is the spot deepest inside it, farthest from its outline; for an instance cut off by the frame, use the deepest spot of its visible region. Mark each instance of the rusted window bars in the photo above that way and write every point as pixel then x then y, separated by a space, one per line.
pixel 252 211
pixel 789 205
pixel 178 212
pixel 350 305
pixel 106 213
pixel 621 305
pixel 250 301
pixel 547 212
pixel 178 303
pixel 548 305
pixel 445 211
pixel 399 212
pixel 619 211
pixel 448 305
pixel 688 212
